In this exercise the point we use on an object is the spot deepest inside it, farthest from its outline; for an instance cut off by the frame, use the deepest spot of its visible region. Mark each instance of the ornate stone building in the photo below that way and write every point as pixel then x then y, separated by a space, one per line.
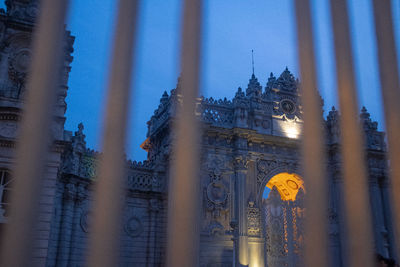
pixel 250 145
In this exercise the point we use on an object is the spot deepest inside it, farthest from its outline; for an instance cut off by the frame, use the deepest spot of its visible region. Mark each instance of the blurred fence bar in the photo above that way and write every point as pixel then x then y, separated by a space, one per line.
pixel 313 152
pixel 184 204
pixel 32 147
pixel 109 194
pixel 390 87
pixel 357 209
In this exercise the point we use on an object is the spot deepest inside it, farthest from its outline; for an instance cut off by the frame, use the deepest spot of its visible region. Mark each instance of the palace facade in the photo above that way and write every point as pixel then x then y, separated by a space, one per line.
pixel 249 147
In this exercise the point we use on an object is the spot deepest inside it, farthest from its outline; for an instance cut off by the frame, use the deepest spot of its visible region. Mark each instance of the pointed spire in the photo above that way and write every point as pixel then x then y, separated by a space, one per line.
pixel 286 81
pixel 80 129
pixel 368 124
pixel 364 109
pixel 239 93
pixel 333 115
pixel 271 82
pixel 164 98
pixel 78 140
pixel 254 88
pixel 364 114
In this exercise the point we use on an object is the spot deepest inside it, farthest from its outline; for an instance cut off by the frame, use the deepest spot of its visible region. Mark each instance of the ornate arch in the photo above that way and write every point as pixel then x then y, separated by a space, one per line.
pixel 266 169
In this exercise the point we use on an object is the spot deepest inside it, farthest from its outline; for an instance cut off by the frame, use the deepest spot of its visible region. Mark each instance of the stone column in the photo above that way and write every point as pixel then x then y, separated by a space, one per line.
pixel 338 228
pixel 387 208
pixel 334 228
pixel 66 225
pixel 255 239
pixel 377 215
pixel 235 237
pixel 241 164
pixel 80 197
pixel 154 208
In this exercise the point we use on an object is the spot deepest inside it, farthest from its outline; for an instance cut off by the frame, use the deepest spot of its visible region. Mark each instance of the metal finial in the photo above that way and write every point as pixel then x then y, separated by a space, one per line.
pixel 252 59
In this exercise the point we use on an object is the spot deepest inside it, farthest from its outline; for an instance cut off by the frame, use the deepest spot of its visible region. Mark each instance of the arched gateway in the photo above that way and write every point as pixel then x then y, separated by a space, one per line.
pixel 282 220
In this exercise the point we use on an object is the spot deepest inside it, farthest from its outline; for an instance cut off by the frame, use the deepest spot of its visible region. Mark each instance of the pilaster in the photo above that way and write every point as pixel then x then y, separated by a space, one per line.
pixel 66 225
pixel 241 165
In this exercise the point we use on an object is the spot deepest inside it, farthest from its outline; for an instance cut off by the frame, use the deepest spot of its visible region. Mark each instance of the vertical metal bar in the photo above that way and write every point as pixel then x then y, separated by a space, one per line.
pixel 355 177
pixel 388 68
pixel 34 136
pixel 107 212
pixel 183 217
pixel 313 143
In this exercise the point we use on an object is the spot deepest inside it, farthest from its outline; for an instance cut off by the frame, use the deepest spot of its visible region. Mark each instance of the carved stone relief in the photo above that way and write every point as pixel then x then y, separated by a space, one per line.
pixel 19 64
pixel 266 166
pixel 253 220
pixel 217 195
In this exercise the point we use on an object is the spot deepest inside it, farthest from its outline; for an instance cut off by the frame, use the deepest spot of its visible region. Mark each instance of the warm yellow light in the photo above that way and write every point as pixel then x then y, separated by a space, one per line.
pixel 256 256
pixel 292 132
pixel 287 184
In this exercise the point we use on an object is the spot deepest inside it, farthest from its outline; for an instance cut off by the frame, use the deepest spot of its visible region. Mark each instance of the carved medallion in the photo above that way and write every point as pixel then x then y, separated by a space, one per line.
pixel 288 106
pixel 8 129
pixel 133 227
pixel 18 68
pixel 216 195
pixel 217 192
pixel 20 61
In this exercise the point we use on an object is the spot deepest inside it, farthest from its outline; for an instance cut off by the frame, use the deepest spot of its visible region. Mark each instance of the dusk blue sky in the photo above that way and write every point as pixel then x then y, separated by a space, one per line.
pixel 231 30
